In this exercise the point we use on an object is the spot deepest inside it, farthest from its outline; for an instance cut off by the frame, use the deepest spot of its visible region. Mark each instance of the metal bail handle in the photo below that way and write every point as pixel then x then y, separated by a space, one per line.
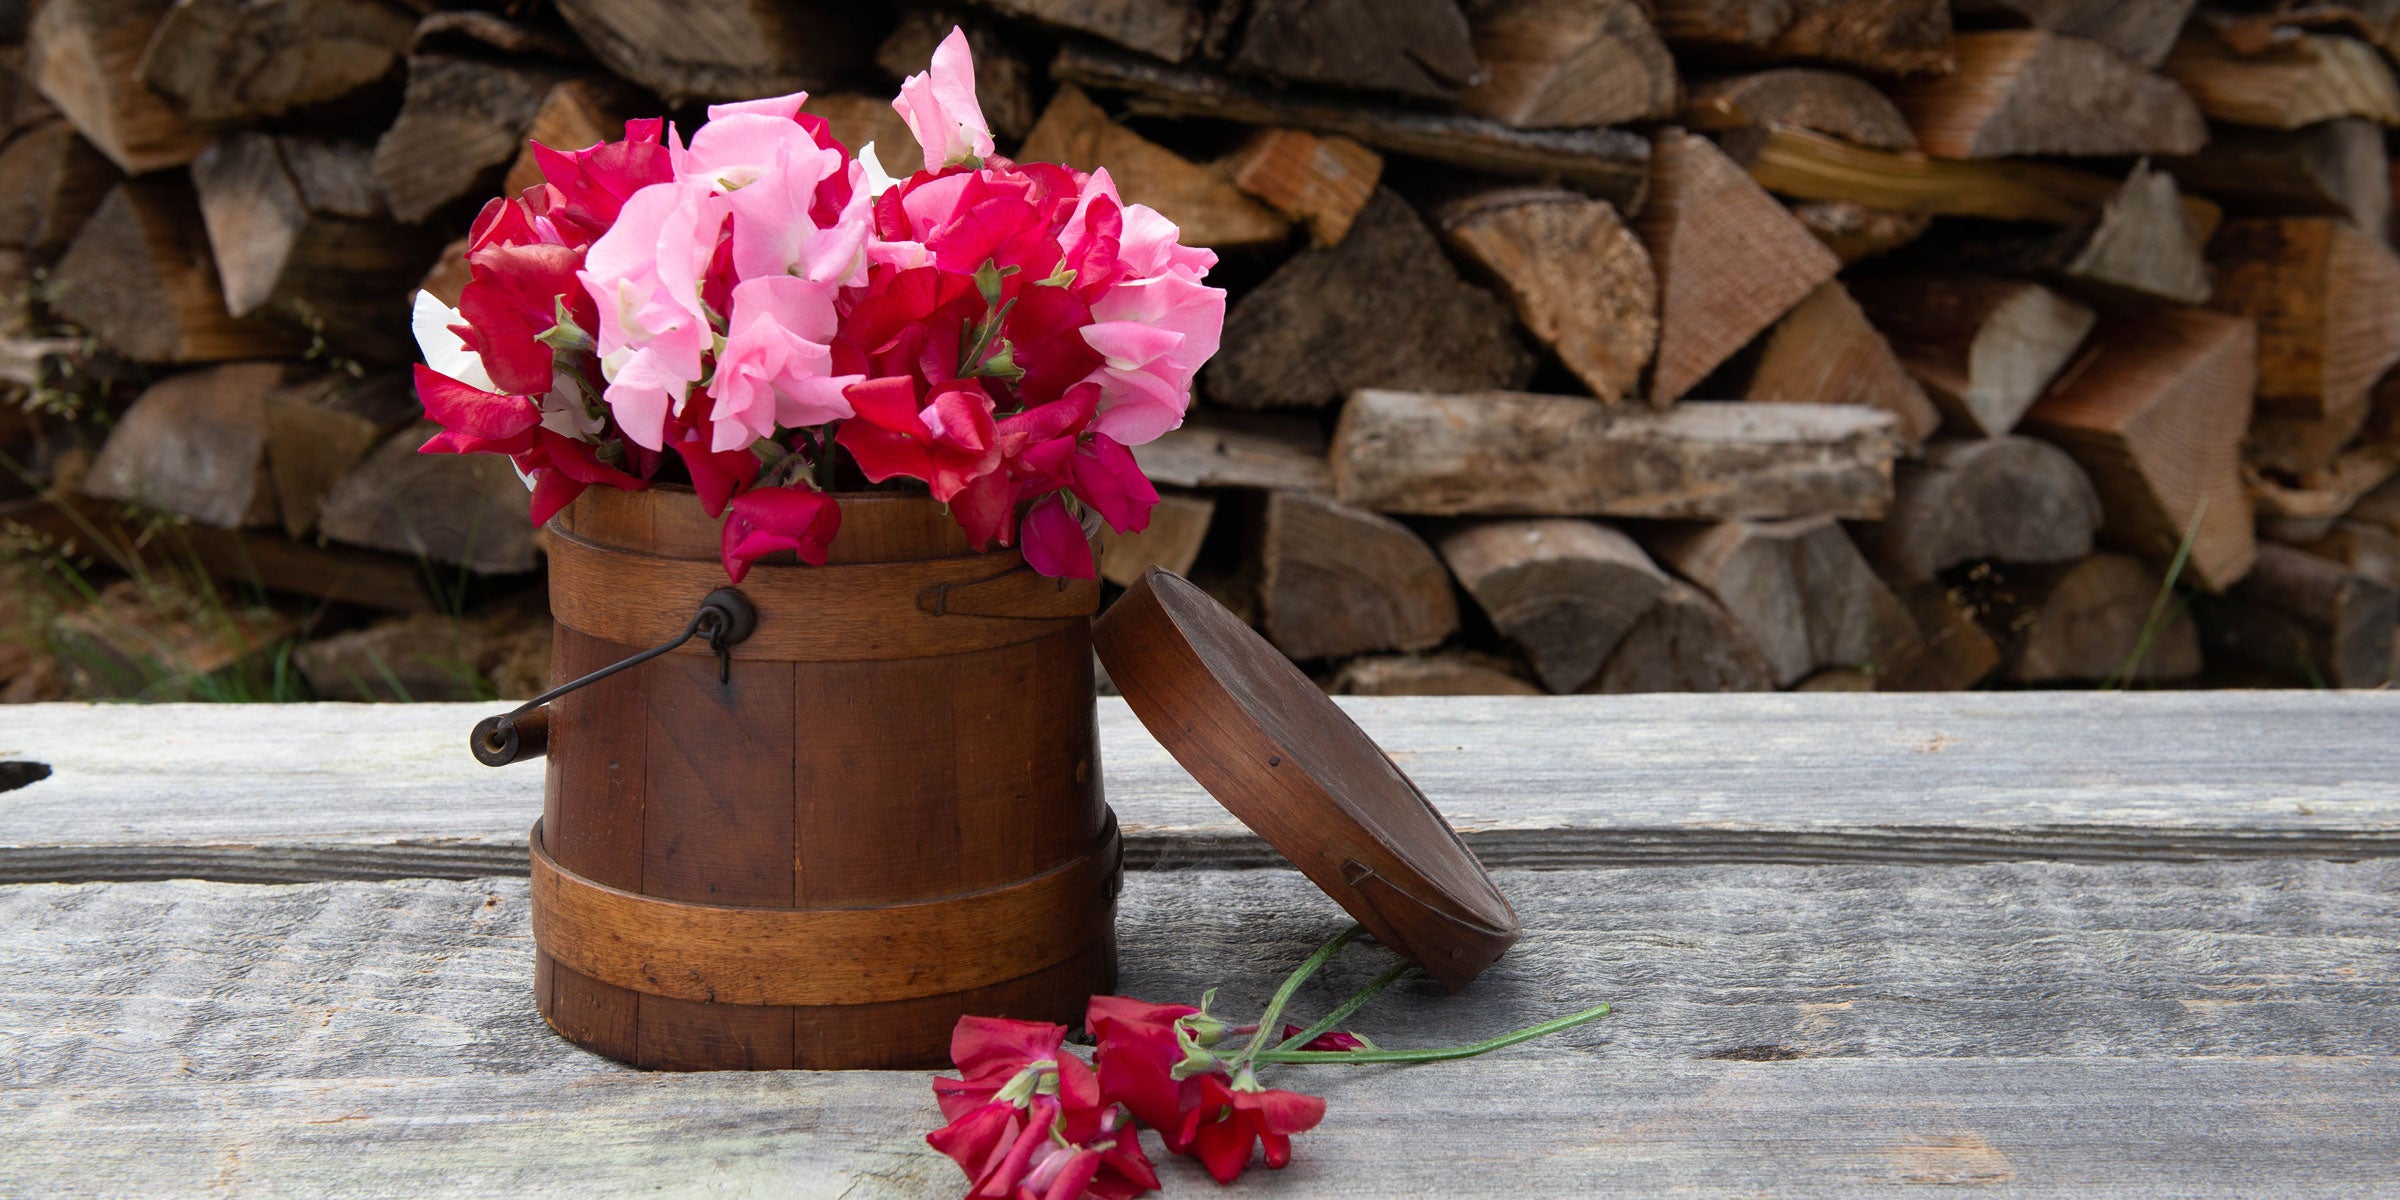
pixel 726 617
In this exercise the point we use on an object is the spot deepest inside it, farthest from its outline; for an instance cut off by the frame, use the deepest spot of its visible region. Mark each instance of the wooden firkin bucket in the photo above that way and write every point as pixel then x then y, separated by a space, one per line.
pixel 887 814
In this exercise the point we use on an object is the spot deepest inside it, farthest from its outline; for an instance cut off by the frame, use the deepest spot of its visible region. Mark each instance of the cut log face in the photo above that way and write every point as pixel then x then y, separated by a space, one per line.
pixel 2307 618
pixel 463 122
pixel 85 56
pixel 1810 166
pixel 1286 456
pixel 2140 30
pixel 1550 64
pixel 1208 208
pixel 2097 621
pixel 50 180
pixel 2030 92
pixel 195 445
pixel 1800 590
pixel 1885 36
pixel 1855 232
pixel 2143 246
pixel 229 60
pixel 318 429
pixel 1580 281
pixel 2155 414
pixel 1417 48
pixel 1513 454
pixel 1959 651
pixel 1685 643
pixel 2301 80
pixel 2333 168
pixel 738 50
pixel 1003 82
pixel 1168 29
pixel 462 509
pixel 1565 591
pixel 1825 352
pixel 1383 308
pixel 1826 102
pixel 139 277
pixel 1983 348
pixel 2305 445
pixel 1178 526
pixel 2321 293
pixel 1730 260
pixel 1452 674
pixel 1341 581
pixel 1324 181
pixel 2003 499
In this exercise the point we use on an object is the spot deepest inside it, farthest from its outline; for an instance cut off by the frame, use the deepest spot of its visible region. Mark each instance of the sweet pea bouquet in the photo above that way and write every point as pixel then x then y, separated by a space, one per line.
pixel 767 315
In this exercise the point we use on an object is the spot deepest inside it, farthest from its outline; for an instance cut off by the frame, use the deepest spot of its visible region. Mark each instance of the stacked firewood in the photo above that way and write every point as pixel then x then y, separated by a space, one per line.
pixel 1574 345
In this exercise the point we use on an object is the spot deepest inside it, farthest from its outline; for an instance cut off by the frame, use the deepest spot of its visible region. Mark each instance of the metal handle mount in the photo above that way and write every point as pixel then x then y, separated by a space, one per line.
pixel 726 617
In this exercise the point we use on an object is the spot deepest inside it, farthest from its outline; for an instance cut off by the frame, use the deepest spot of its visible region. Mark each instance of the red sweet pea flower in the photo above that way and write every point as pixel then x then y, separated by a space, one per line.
pixel 763 521
pixel 474 421
pixel 511 298
pixel 1055 544
pixel 1026 1120
pixel 561 468
pixel 1137 1055
pixel 949 443
pixel 992 1052
pixel 592 184
pixel 1232 1116
pixel 1333 1039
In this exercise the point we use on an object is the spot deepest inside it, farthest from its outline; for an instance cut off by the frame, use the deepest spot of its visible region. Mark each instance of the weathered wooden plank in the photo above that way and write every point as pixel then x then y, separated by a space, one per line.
pixel 334 791
pixel 189 982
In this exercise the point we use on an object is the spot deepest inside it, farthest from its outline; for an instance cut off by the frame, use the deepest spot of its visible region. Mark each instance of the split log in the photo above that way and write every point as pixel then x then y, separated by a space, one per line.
pixel 2030 92
pixel 2156 413
pixel 1004 84
pixel 152 641
pixel 2321 294
pixel 1383 308
pixel 318 429
pixel 1580 281
pixel 1799 589
pixel 447 277
pixel 1885 36
pixel 2308 618
pixel 2333 168
pixel 1211 211
pixel 2298 445
pixel 2380 507
pixel 1609 163
pixel 2307 509
pixel 1809 166
pixel 2301 80
pixel 2142 246
pixel 463 122
pixel 1508 454
pixel 1178 527
pixel 1553 64
pixel 1565 591
pixel 2368 549
pixel 462 509
pixel 582 113
pixel 1685 643
pixel 141 280
pixel 730 51
pixel 1826 102
pixel 1168 29
pixel 428 658
pixel 858 120
pixel 1983 348
pixel 195 445
pixel 1959 652
pixel 1284 456
pixel 85 56
pixel 1730 260
pixel 1825 352
pixel 1341 581
pixel 2003 499
pixel 1416 48
pixel 2140 30
pixel 239 61
pixel 301 235
pixel 1324 181
pixel 1457 673
pixel 50 180
pixel 1855 232
pixel 2098 621
pixel 1838 679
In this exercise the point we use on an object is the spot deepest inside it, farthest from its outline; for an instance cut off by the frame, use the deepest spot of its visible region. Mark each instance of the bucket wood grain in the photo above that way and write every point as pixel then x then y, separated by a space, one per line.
pixel 888 815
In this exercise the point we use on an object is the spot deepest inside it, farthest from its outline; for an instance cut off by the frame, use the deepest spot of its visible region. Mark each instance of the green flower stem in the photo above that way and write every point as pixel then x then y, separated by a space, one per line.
pixel 1351 1005
pixel 1366 1057
pixel 1291 984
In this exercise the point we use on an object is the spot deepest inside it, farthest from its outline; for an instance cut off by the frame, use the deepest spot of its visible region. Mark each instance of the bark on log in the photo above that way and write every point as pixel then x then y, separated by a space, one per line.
pixel 1416 48
pixel 1178 527
pixel 731 51
pixel 1885 36
pixel 2140 30
pixel 2156 413
pixel 463 122
pixel 85 56
pixel 195 445
pixel 1552 64
pixel 1809 166
pixel 1168 29
pixel 462 509
pixel 1383 308
pixel 2143 246
pixel 1825 352
pixel 1280 456
pixel 2367 548
pixel 2307 509
pixel 2300 81
pixel 1983 348
pixel 1609 163
pixel 2030 92
pixel 1799 589
pixel 2321 294
pixel 50 180
pixel 1825 102
pixel 1341 581
pixel 2097 621
pixel 2334 168
pixel 2307 618
pixel 1211 211
pixel 1324 181
pixel 1452 674
pixel 241 61
pixel 2003 499
pixel 1855 232
pixel 1685 643
pixel 140 279
pixel 1004 83
pixel 1730 260
pixel 1509 454
pixel 1565 591
pixel 1580 281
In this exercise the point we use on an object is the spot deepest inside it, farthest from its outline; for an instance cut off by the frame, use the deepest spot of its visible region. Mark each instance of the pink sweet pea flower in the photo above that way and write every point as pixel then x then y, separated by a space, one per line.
pixel 765 521
pixel 940 108
pixel 1152 335
pixel 776 365
pixel 645 276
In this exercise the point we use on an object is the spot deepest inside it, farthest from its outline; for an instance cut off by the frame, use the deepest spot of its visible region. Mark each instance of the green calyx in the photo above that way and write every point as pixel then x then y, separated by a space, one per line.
pixel 1037 1079
pixel 565 336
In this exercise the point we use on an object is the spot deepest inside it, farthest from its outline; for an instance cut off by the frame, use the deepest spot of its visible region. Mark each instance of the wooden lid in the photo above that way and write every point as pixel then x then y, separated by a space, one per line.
pixel 1280 755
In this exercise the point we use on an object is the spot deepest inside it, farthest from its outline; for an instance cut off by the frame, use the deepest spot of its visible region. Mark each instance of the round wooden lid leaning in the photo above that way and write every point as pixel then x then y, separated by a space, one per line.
pixel 1282 757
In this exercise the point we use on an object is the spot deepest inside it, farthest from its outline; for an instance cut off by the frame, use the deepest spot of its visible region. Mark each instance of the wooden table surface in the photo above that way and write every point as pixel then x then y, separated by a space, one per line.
pixel 2048 944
